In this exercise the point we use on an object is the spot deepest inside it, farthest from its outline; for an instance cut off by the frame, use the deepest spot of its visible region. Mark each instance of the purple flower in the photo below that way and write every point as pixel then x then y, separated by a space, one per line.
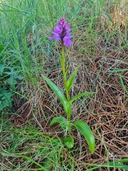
pixel 62 32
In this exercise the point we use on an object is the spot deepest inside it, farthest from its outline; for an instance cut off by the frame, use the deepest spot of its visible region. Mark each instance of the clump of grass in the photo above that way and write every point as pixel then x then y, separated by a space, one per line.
pixel 100 48
pixel 28 148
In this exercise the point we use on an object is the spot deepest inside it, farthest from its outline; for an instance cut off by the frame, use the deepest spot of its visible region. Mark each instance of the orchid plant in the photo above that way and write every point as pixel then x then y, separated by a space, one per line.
pixel 62 33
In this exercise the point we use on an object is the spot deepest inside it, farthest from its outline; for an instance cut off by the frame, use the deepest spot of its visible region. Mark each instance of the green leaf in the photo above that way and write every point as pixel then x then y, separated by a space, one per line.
pixel 1 48
pixel 61 120
pixel 59 94
pixel 90 1
pixel 87 133
pixel 63 123
pixel 68 141
pixel 29 159
pixel 80 95
pixel 5 98
pixel 109 17
pixel 118 70
pixel 115 164
pixel 71 79
pixel 122 83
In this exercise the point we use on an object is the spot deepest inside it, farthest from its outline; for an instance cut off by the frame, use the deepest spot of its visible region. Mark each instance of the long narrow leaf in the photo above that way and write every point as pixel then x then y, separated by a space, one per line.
pixel 59 94
pixel 71 79
pixel 33 161
pixel 61 120
pixel 122 83
pixel 87 133
pixel 109 17
pixel 117 70
pixel 115 164
pixel 80 95
pixel 1 48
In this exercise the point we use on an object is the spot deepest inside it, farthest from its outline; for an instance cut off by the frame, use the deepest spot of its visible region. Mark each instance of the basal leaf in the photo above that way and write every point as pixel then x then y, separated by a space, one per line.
pixel 61 120
pixel 59 94
pixel 87 133
pixel 80 95
pixel 71 79
pixel 68 141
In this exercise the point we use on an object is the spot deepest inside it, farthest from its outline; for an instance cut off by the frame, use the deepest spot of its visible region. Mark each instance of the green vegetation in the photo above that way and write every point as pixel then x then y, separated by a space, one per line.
pixel 28 105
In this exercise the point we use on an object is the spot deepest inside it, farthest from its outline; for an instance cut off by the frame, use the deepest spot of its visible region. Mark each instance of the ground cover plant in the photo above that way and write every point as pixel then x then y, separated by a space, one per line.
pixel 29 59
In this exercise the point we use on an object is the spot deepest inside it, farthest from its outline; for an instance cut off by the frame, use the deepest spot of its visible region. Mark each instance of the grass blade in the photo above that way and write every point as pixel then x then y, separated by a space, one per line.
pixel 122 83
pixel 118 70
pixel 115 164
pixel 109 17
pixel 33 161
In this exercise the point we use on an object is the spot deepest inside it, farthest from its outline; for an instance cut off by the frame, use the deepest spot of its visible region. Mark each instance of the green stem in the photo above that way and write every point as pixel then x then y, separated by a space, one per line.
pixel 62 60
pixel 64 71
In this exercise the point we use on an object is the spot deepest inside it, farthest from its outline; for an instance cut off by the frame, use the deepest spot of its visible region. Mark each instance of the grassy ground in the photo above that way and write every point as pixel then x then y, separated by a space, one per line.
pixel 27 104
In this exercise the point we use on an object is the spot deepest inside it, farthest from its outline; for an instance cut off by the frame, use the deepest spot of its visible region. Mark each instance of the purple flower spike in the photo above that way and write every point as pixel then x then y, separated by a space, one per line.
pixel 62 32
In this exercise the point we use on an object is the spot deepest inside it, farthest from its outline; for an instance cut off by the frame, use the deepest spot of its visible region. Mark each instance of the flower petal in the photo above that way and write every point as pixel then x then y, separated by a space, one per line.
pixel 55 37
pixel 67 41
